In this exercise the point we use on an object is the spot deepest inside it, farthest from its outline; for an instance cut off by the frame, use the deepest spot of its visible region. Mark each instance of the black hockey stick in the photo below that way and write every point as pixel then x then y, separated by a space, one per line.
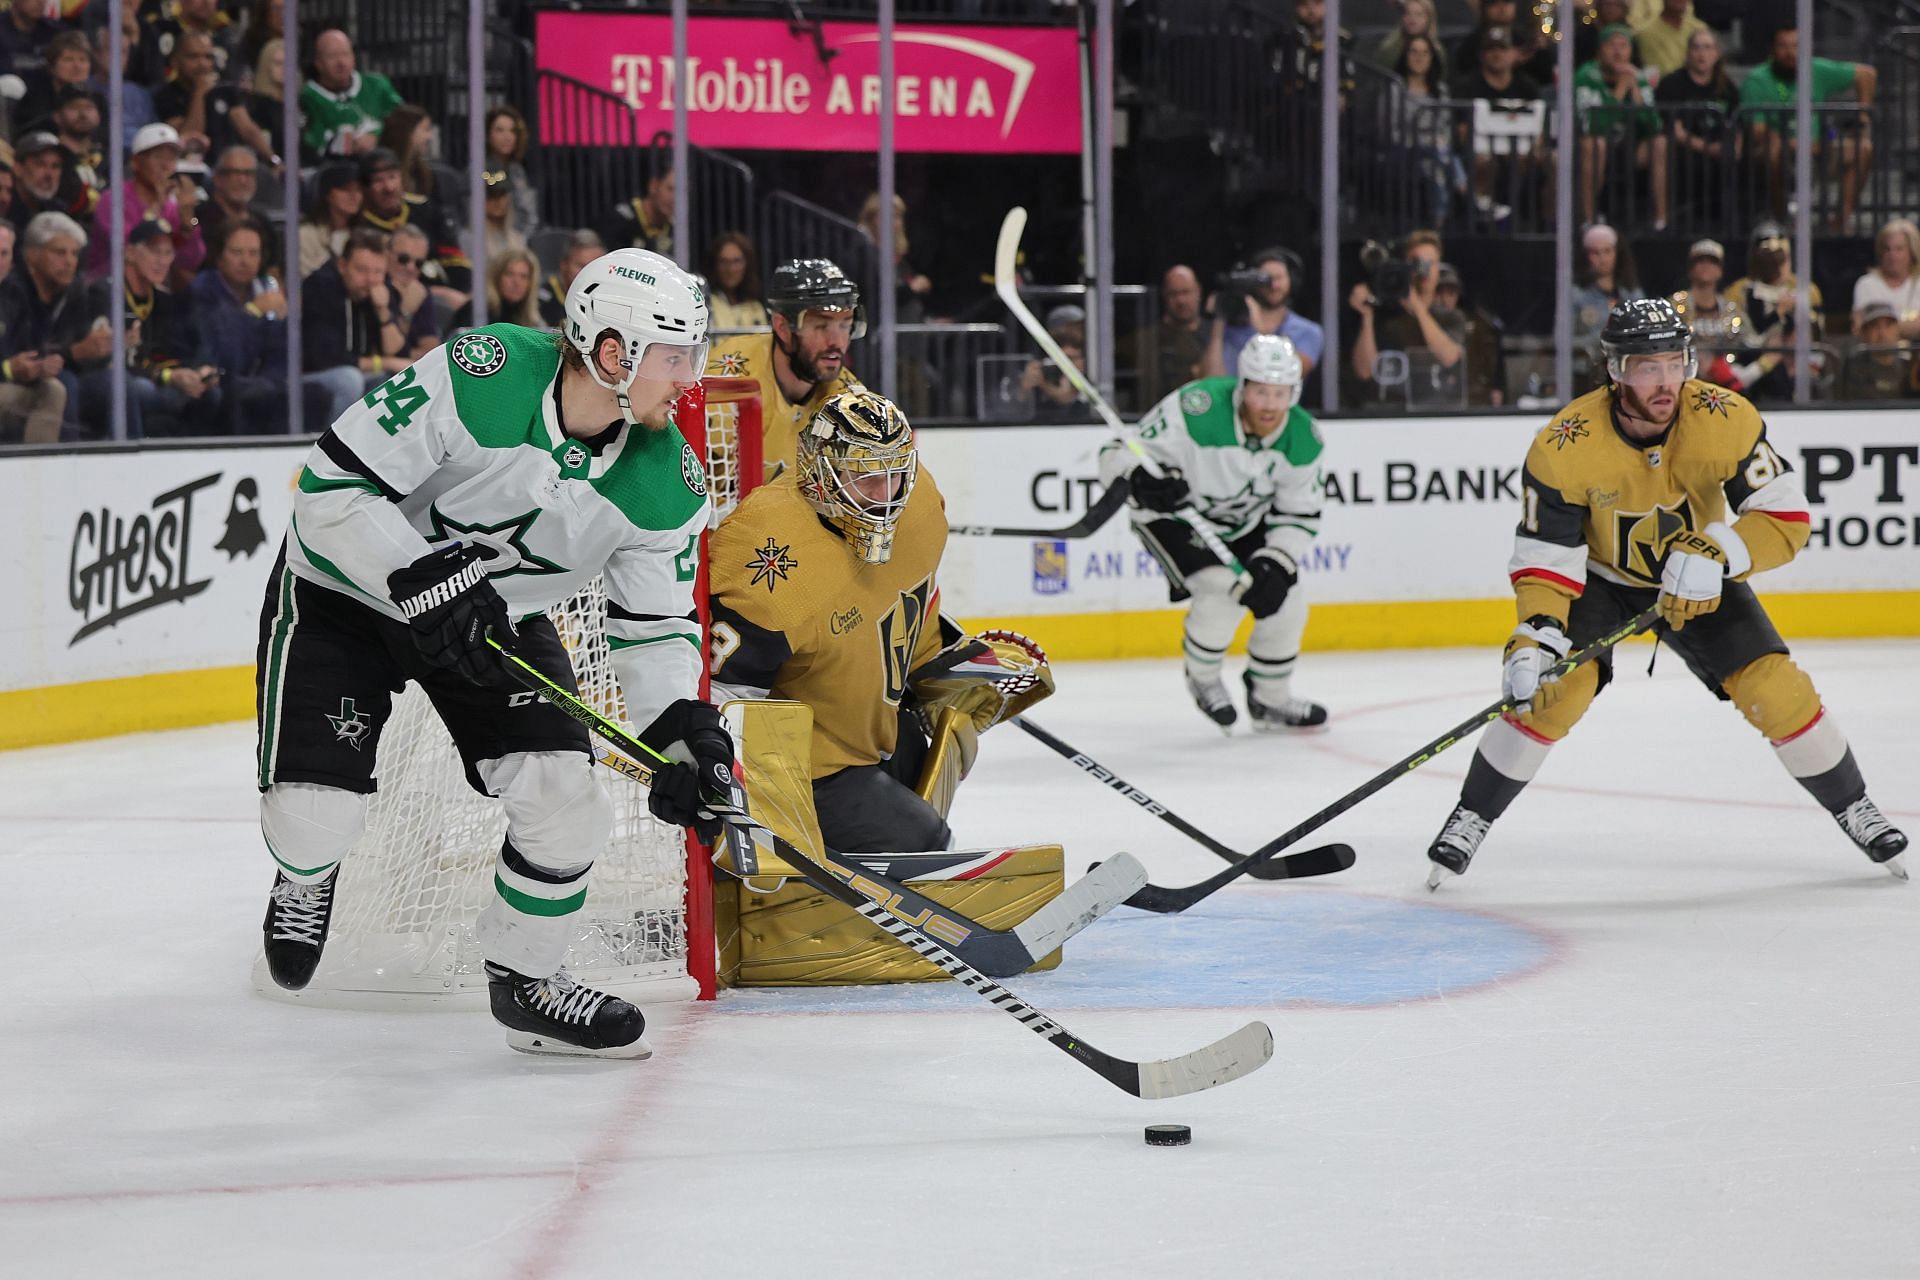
pixel 1097 515
pixel 1168 901
pixel 1241 1053
pixel 1325 860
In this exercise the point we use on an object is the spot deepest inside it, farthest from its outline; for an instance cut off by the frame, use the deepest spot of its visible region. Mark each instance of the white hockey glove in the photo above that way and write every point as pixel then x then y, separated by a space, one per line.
pixel 1538 644
pixel 1698 566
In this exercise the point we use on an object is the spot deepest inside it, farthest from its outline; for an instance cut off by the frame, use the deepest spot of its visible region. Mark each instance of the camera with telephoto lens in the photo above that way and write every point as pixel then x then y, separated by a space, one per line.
pixel 1389 274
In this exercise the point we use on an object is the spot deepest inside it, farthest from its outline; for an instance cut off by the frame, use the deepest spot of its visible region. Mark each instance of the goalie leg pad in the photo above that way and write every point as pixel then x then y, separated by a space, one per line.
pixel 309 828
pixel 1212 619
pixel 558 814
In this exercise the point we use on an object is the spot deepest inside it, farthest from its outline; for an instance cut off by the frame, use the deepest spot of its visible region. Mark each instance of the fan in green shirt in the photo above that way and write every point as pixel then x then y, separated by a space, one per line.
pixel 1770 132
pixel 1614 99
pixel 341 108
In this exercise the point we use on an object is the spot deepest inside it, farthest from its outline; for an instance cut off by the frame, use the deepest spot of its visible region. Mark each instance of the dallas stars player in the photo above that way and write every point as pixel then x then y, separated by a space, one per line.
pixel 1246 456
pixel 824 592
pixel 815 314
pixel 486 483
pixel 1626 502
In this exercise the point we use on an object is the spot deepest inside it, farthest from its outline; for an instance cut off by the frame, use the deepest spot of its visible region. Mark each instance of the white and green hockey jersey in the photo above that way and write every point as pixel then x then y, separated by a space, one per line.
pixel 466 445
pixel 1241 483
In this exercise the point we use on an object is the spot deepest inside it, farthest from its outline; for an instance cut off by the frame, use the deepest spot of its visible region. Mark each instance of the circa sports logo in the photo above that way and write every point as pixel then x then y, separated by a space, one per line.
pixel 479 354
pixel 690 471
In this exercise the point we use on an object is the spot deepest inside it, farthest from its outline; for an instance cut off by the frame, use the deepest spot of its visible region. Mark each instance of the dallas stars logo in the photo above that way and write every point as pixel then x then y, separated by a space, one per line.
pixel 733 364
pixel 479 354
pixel 771 564
pixel 1566 431
pixel 1712 400
pixel 350 726
pixel 504 543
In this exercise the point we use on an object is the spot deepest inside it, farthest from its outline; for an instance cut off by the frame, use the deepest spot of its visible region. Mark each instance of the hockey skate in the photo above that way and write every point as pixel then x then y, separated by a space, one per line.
pixel 559 1016
pixel 1292 715
pixel 1214 701
pixel 296 928
pixel 1879 839
pixel 1456 844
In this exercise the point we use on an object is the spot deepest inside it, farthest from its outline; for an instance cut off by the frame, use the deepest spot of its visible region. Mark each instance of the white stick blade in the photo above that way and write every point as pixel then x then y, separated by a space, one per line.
pixel 1240 1054
pixel 1081 903
pixel 1006 252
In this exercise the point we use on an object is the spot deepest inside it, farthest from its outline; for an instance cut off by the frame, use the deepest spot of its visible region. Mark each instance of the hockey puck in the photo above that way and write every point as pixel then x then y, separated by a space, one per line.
pixel 1168 1135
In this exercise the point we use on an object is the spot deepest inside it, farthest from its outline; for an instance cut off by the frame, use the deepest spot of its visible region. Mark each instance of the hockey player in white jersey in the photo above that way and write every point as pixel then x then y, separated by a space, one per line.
pixel 1242 455
pixel 462 498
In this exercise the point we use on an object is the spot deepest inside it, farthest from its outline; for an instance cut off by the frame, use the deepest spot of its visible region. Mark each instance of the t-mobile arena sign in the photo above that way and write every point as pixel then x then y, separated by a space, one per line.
pixel 754 83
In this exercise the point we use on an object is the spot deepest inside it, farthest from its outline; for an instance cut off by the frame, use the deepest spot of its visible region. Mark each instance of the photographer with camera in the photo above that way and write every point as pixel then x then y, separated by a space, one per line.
pixel 1397 315
pixel 1258 298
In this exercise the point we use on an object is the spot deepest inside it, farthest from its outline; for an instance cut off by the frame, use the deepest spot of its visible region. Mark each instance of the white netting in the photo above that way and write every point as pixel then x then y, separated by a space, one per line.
pixel 414 884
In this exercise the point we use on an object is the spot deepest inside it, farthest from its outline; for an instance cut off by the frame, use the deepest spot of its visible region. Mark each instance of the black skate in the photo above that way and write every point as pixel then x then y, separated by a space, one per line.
pixel 559 1016
pixel 1213 700
pixel 1295 715
pixel 1456 844
pixel 1879 839
pixel 296 928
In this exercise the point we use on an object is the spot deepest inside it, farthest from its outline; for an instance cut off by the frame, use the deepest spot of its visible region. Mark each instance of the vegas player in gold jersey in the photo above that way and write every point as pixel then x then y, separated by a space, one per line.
pixel 825 591
pixel 816 314
pixel 1656 489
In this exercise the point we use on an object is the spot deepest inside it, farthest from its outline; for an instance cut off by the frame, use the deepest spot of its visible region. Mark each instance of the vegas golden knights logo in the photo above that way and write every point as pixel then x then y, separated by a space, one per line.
pixel 1641 539
pixel 900 635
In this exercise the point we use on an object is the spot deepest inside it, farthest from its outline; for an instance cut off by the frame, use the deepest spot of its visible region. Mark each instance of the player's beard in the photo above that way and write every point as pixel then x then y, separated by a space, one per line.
pixel 804 367
pixel 1637 408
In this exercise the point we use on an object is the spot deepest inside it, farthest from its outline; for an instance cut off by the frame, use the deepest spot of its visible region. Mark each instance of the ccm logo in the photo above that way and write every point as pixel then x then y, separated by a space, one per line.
pixel 928 921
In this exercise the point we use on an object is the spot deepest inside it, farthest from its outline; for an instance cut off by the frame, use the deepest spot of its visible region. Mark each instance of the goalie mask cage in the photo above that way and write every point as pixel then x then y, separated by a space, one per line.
pixel 413 885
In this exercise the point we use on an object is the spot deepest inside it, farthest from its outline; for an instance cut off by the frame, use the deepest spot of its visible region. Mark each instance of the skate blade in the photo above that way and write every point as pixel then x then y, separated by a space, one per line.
pixel 1283 730
pixel 547 1047
pixel 1896 867
pixel 1439 875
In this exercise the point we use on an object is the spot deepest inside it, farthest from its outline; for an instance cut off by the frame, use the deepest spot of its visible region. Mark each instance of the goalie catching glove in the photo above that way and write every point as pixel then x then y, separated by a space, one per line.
pixel 987 678
pixel 452 607
pixel 694 735
pixel 1698 566
pixel 1537 646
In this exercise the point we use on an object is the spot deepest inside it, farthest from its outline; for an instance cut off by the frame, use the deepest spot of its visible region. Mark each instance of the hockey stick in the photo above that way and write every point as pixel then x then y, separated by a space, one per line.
pixel 1168 901
pixel 1097 515
pixel 1241 1053
pixel 1325 860
pixel 1006 255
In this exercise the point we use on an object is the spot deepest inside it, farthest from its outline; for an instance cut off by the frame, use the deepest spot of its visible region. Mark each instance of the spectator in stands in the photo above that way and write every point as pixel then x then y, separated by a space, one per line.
pixel 1882 368
pixel 1769 295
pixel 69 65
pixel 910 286
pixel 25 32
pixel 47 313
pixel 582 247
pixel 254 116
pixel 155 189
pixel 1465 55
pixel 1894 279
pixel 169 25
pixel 507 153
pixel 334 213
pixel 501 230
pixel 409 134
pixel 511 296
pixel 1055 399
pixel 236 183
pixel 6 186
pixel 1664 38
pixel 344 108
pixel 1714 319
pixel 1495 80
pixel 1613 98
pixel 1416 20
pixel 172 389
pixel 1770 133
pixel 1406 325
pixel 416 311
pixel 1486 362
pixel 735 299
pixel 76 122
pixel 46 182
pixel 1426 128
pixel 266 22
pixel 1592 25
pixel 1237 316
pixel 346 319
pixel 184 100
pixel 448 272
pixel 1604 277
pixel 136 102
pixel 1700 101
pixel 645 221
pixel 30 386
pixel 1180 338
pixel 1301 52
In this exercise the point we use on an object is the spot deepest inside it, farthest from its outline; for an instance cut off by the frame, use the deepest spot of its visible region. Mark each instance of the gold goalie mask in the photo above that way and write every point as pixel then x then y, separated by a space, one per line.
pixel 857 466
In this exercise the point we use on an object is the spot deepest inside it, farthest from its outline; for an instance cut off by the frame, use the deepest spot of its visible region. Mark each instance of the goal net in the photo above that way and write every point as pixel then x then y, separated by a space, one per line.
pixel 414 884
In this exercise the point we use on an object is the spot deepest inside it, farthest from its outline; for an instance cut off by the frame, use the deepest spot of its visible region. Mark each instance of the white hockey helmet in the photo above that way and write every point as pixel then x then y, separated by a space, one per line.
pixel 658 311
pixel 1270 358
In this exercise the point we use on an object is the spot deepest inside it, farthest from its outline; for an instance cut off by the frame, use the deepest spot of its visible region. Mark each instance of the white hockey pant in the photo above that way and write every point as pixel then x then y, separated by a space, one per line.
pixel 1214 615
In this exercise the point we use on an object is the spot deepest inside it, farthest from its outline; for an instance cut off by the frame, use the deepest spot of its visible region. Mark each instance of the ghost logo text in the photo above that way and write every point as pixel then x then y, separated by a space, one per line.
pixel 122 565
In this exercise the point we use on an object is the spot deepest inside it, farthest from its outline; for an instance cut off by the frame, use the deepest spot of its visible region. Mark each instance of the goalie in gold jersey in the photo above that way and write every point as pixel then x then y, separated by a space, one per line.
pixel 825 591
pixel 1656 489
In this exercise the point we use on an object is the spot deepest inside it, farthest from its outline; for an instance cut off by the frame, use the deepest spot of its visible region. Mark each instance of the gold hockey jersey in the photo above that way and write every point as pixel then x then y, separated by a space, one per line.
pixel 1594 501
pixel 796 615
pixel 751 356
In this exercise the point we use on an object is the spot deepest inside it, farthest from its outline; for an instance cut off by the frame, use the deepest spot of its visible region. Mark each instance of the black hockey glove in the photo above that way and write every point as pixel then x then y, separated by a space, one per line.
pixel 681 791
pixel 451 607
pixel 1273 576
pixel 1166 493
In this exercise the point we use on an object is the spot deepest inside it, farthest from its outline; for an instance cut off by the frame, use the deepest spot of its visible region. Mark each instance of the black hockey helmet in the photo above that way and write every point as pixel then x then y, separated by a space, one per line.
pixel 1645 326
pixel 807 284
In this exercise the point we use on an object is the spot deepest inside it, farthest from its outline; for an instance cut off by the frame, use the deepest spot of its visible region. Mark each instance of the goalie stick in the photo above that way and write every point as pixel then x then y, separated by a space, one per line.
pixel 1097 515
pixel 1169 901
pixel 1228 1058
pixel 1006 283
pixel 1324 860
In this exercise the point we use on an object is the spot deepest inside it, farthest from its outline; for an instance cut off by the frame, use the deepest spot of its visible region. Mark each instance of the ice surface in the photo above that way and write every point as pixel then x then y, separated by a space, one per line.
pixel 1668 1025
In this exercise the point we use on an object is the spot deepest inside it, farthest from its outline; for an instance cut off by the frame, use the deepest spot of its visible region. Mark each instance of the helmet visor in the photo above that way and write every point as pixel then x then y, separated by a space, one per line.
pixel 671 362
pixel 1654 369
